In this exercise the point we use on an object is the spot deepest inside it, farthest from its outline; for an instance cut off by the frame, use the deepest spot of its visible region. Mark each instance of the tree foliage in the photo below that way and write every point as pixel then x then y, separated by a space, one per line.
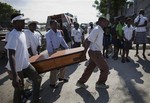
pixel 5 13
pixel 114 6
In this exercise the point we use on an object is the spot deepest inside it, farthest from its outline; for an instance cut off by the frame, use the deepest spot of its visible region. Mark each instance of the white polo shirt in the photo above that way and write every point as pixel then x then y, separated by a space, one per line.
pixel 142 21
pixel 128 31
pixel 96 39
pixel 33 40
pixel 77 34
pixel 17 42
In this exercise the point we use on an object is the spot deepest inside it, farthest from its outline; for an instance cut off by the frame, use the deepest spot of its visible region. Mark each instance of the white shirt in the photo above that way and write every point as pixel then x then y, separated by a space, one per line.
pixel 77 34
pixel 128 31
pixel 33 40
pixel 96 39
pixel 17 42
pixel 142 21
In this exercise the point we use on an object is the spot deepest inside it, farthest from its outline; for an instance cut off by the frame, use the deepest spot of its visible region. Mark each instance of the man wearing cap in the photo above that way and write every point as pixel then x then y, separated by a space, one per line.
pixel 94 43
pixel 33 38
pixel 19 64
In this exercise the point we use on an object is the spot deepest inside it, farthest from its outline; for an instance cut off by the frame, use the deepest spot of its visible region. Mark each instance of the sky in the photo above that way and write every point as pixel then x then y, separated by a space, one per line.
pixel 39 9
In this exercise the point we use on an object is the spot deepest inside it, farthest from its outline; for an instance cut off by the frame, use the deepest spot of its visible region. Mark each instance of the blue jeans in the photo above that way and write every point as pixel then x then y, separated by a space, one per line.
pixel 33 75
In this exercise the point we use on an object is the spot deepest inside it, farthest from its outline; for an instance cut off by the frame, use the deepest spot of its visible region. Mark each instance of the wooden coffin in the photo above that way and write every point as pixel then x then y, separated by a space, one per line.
pixel 44 62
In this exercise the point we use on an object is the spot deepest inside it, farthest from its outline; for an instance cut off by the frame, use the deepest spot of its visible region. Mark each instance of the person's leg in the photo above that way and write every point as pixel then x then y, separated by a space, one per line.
pixel 123 55
pixel 18 92
pixel 107 52
pixel 144 48
pixel 137 48
pixel 53 77
pixel 99 60
pixel 127 53
pixel 87 72
pixel 62 75
pixel 104 51
pixel 33 75
pixel 117 49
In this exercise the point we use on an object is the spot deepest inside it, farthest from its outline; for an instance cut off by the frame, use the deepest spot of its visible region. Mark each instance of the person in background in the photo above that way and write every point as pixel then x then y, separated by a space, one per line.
pixel 140 31
pixel 119 39
pixel 54 41
pixel 114 23
pixel 95 44
pixel 91 27
pixel 128 32
pixel 76 35
pixel 106 41
pixel 66 35
pixel 19 64
pixel 33 38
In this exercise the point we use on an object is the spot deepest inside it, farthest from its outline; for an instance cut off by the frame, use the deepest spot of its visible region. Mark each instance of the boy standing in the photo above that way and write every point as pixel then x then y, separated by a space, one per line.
pixel 128 31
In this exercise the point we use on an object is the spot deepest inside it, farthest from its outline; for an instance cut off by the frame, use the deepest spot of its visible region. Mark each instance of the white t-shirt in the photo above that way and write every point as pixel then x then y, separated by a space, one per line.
pixel 77 34
pixel 128 31
pixel 33 40
pixel 17 42
pixel 142 21
pixel 96 39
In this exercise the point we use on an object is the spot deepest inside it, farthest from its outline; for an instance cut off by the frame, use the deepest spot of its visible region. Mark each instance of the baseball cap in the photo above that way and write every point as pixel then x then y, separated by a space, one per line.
pixel 18 17
pixel 31 21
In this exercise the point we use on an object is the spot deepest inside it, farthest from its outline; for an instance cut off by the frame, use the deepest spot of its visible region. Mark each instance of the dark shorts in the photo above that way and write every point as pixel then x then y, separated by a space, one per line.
pixel 118 43
pixel 127 45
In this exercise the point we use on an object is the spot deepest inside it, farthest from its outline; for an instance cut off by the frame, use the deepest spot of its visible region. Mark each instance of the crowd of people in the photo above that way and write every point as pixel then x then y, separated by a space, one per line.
pixel 105 36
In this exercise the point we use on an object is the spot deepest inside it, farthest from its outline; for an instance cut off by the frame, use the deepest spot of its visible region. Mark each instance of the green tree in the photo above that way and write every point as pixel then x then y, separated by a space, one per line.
pixel 5 13
pixel 110 6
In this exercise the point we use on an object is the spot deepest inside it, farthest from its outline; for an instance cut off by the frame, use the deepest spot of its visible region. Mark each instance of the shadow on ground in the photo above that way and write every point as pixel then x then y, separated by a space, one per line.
pixel 128 73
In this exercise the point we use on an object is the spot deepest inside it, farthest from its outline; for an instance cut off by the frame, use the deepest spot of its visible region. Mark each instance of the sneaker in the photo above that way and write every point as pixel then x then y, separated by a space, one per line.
pixel 102 85
pixel 63 79
pixel 127 60
pixel 107 56
pixel 81 85
pixel 123 60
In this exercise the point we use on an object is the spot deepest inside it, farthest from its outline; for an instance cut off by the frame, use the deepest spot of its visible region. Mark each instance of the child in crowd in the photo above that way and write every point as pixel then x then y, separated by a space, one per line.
pixel 119 39
pixel 106 41
pixel 128 32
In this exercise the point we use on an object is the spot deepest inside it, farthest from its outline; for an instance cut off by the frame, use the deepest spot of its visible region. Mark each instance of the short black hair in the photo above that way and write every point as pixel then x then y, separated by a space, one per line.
pixel 141 11
pixel 101 18
pixel 53 21
pixel 15 15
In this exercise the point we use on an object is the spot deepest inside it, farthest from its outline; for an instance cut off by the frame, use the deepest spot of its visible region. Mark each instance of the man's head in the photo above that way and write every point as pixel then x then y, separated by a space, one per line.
pixel 103 22
pixel 121 19
pixel 76 25
pixel 32 25
pixel 129 21
pixel 141 11
pixel 54 24
pixel 18 21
